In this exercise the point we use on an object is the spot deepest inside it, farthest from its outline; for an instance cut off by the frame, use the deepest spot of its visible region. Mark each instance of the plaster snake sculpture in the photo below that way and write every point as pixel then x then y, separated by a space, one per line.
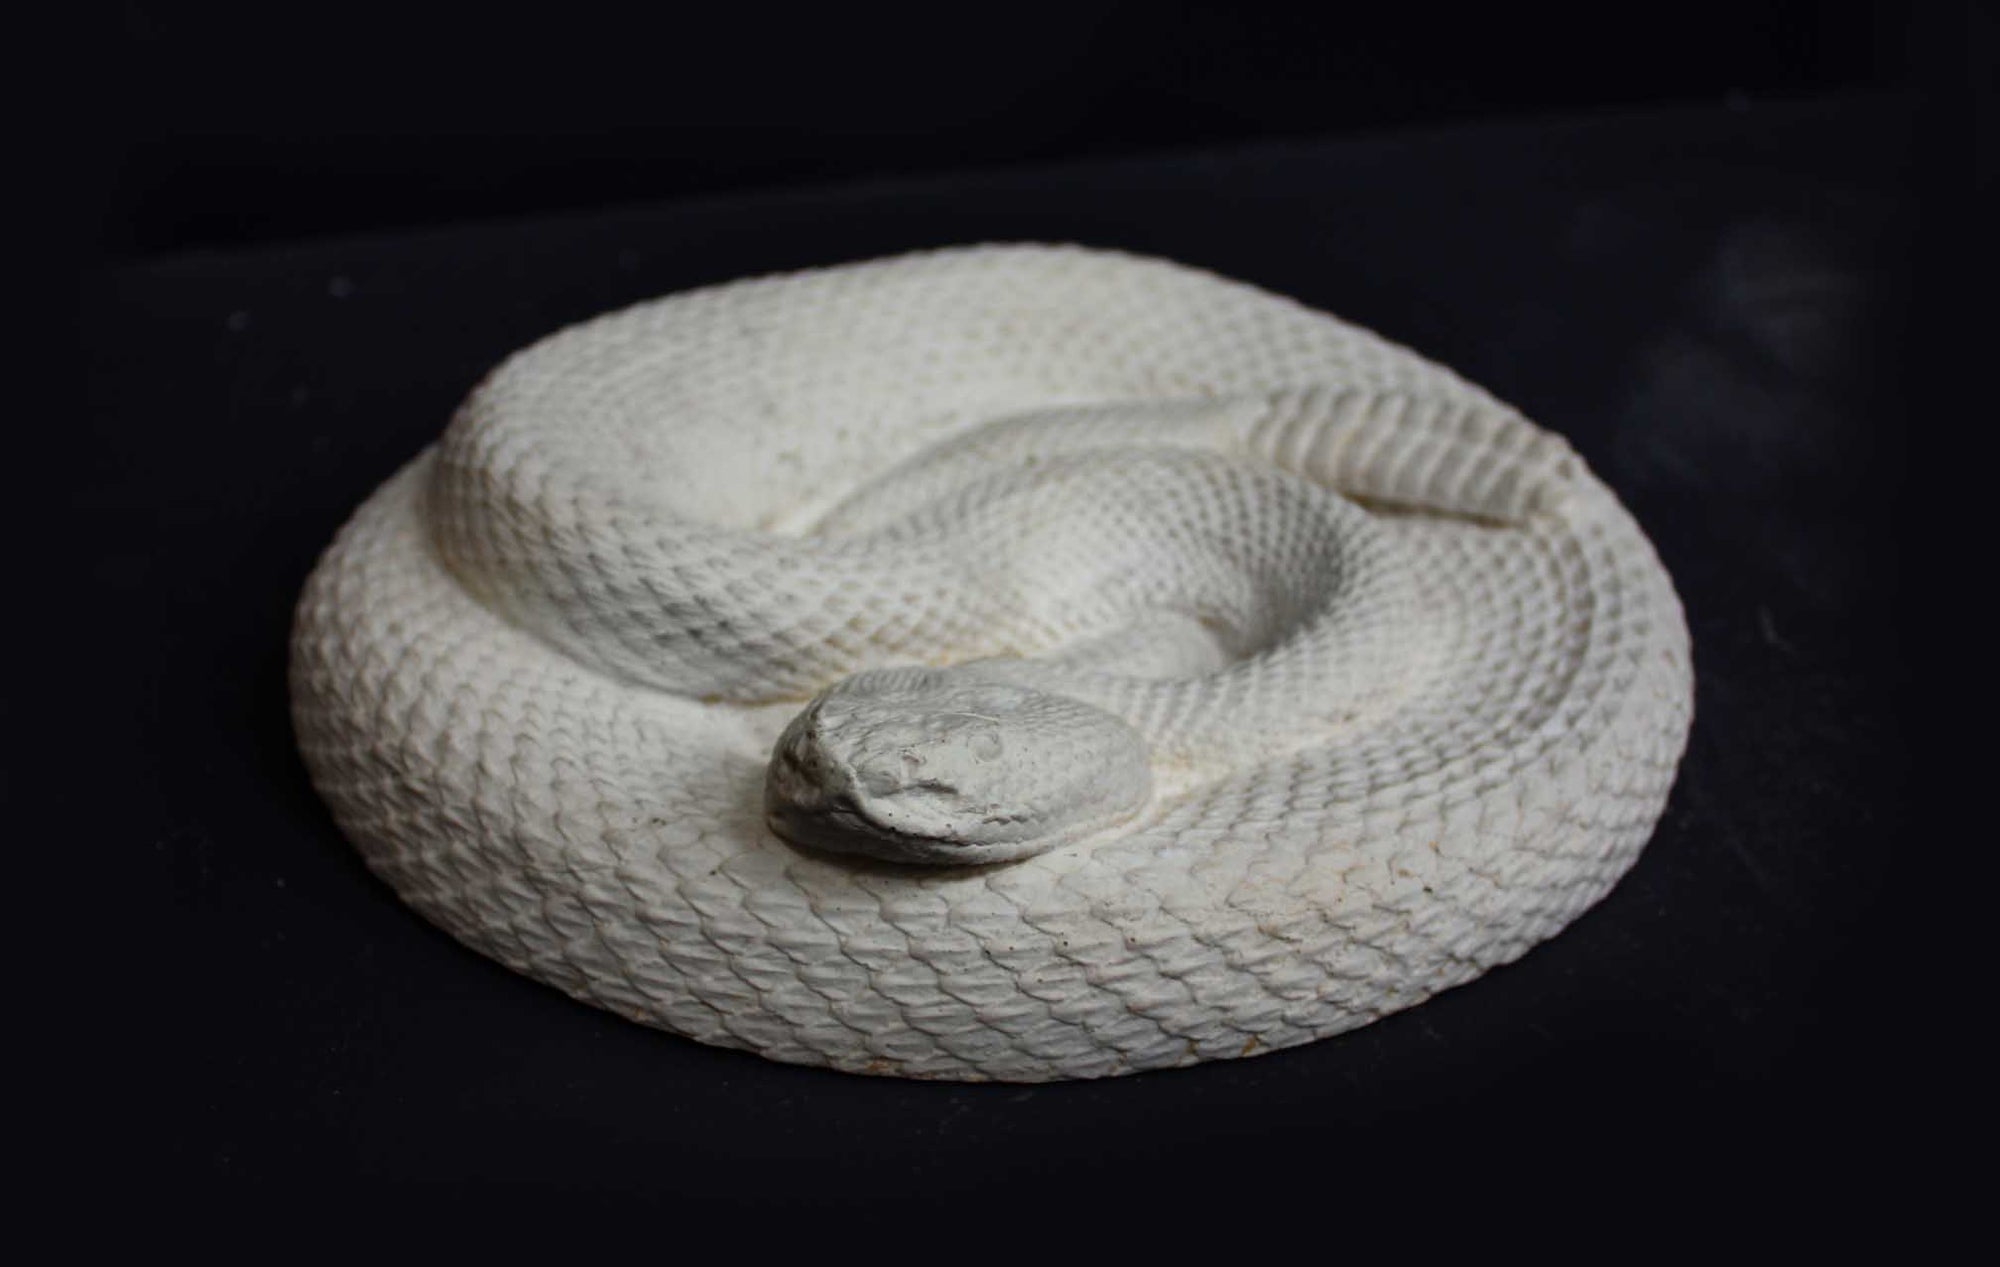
pixel 993 663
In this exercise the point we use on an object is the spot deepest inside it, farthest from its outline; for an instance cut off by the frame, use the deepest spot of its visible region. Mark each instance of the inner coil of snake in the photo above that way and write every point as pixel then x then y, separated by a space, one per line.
pixel 1107 585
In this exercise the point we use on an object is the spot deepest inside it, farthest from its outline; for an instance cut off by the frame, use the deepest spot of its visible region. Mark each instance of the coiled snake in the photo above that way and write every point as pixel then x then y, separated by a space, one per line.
pixel 1005 662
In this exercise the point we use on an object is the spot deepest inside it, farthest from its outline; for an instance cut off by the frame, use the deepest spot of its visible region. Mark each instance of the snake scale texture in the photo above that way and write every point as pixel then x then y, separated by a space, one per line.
pixel 1008 662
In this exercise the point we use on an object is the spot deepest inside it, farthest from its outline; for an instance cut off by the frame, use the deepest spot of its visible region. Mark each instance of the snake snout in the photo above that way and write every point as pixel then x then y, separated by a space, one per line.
pixel 943 767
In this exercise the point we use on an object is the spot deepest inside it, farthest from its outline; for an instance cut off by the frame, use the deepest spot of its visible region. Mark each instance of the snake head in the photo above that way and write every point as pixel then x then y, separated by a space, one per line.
pixel 944 767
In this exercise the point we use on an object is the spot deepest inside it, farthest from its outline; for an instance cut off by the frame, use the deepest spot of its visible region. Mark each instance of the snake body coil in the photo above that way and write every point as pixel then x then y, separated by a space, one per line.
pixel 1006 662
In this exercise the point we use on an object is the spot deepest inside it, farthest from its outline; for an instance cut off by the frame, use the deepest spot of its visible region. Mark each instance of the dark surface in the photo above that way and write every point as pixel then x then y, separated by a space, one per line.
pixel 233 121
pixel 1711 304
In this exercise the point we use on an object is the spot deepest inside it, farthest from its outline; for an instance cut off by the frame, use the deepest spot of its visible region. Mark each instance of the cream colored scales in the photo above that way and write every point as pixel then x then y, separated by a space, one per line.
pixel 1009 662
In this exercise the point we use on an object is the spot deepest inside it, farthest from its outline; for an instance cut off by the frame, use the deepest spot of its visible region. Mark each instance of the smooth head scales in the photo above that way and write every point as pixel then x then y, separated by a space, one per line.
pixel 941 766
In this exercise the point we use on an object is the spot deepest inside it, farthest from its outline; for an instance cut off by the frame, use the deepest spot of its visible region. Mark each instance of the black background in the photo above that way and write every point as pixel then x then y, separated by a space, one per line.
pixel 233 122
pixel 1703 243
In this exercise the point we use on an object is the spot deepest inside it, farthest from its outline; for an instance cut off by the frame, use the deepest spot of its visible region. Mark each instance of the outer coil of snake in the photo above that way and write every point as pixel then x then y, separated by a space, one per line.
pixel 995 663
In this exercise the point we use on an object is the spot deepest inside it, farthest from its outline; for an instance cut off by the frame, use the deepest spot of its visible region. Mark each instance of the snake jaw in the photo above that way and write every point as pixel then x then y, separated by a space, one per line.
pixel 942 767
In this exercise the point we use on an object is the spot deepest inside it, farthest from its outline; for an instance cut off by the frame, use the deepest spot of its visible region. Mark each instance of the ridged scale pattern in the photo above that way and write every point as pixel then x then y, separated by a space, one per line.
pixel 538 675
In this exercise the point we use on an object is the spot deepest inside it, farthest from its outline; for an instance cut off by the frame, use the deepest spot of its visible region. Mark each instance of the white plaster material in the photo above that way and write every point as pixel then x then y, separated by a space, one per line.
pixel 1003 662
